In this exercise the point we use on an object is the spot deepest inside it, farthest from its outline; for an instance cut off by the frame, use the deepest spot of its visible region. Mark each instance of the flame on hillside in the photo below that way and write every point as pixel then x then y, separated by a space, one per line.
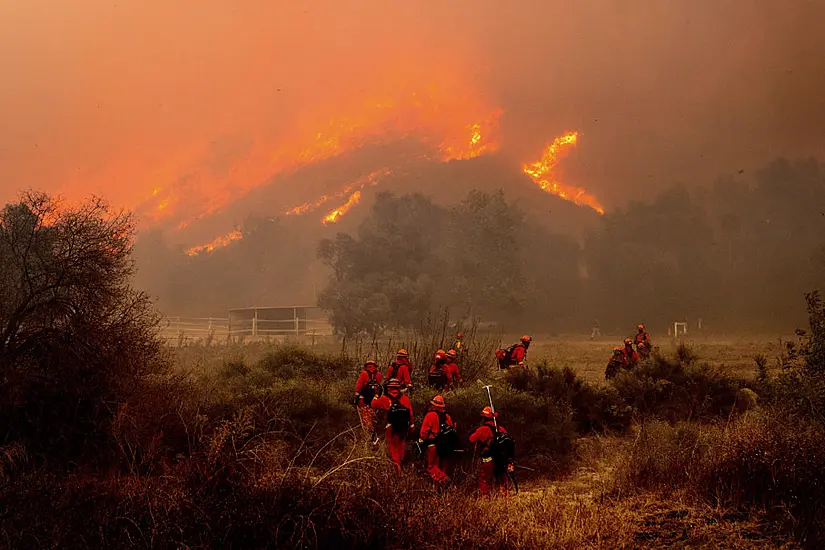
pixel 541 172
pixel 353 190
pixel 450 123
pixel 360 183
pixel 217 243
pixel 336 214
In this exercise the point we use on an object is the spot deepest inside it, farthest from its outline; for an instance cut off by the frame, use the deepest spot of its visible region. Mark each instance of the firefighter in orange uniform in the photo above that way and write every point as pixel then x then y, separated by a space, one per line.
pixel 494 466
pixel 437 436
pixel 367 388
pixel 452 371
pixel 400 369
pixel 400 421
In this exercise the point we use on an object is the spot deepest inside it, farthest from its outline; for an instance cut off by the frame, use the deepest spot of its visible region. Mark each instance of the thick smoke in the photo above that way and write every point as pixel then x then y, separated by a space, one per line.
pixel 119 98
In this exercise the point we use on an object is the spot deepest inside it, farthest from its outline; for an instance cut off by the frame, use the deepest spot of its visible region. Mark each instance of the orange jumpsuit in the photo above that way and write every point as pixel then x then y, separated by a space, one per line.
pixel 396 441
pixel 437 466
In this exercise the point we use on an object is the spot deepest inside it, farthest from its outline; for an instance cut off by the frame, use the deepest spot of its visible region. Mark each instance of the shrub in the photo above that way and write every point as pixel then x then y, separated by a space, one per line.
pixel 676 390
pixel 593 408
pixel 665 457
pixel 75 339
pixel 770 461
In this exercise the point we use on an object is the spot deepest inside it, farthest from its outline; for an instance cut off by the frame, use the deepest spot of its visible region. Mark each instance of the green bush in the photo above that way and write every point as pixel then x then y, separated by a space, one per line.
pixel 593 408
pixel 676 390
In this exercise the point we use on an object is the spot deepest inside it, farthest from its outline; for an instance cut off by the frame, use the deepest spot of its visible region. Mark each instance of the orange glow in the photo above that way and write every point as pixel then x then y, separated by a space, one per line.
pixel 360 183
pixel 453 124
pixel 479 139
pixel 336 214
pixel 217 243
pixel 541 172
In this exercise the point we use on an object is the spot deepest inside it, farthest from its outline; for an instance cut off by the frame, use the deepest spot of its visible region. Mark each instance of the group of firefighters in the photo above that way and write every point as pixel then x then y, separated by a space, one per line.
pixel 438 441
pixel 626 357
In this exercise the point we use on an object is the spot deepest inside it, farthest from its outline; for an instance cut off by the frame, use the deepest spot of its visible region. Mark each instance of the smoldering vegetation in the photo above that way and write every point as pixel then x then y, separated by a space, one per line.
pixel 112 440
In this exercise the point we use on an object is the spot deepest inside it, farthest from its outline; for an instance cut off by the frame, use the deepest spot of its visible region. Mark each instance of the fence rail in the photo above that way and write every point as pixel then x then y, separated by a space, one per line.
pixel 215 330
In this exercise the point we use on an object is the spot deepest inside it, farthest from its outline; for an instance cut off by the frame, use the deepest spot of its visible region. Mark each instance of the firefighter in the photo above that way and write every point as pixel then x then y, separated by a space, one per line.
pixel 643 351
pixel 630 355
pixel 617 362
pixel 452 371
pixel 367 388
pixel 642 336
pixel 400 421
pixel 515 355
pixel 400 369
pixel 437 375
pixel 439 439
pixel 496 454
pixel 458 345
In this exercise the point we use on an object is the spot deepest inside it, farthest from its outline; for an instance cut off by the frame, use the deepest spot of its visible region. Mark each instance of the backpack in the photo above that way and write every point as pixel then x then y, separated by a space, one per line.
pixel 505 356
pixel 446 440
pixel 398 417
pixel 503 450
pixel 372 389
pixel 437 378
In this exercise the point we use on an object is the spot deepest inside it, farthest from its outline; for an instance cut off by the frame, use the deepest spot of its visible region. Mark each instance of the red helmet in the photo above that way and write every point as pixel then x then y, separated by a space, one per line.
pixel 452 354
pixel 402 353
pixel 438 402
pixel 628 341
pixel 487 412
pixel 641 327
pixel 440 355
pixel 526 339
pixel 393 384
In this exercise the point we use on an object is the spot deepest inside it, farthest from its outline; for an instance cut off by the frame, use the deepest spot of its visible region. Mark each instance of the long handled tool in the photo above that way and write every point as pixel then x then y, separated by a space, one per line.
pixel 492 408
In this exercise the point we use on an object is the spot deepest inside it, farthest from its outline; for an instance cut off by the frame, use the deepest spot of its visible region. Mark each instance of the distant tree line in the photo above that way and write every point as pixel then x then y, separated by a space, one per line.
pixel 740 253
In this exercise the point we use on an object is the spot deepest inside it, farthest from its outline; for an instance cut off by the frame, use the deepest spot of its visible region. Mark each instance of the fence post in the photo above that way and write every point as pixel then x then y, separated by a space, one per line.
pixel 255 323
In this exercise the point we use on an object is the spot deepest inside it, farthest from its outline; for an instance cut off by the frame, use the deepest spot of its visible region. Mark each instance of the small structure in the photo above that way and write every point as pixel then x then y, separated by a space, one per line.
pixel 679 328
pixel 276 321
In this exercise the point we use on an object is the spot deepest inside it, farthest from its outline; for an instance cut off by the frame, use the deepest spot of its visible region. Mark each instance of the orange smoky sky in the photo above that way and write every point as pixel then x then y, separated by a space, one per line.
pixel 124 97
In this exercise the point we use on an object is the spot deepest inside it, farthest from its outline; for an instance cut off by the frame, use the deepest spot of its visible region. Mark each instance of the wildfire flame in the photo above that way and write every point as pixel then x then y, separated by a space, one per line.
pixel 360 183
pixel 370 179
pixel 217 243
pixel 336 214
pixel 452 124
pixel 541 172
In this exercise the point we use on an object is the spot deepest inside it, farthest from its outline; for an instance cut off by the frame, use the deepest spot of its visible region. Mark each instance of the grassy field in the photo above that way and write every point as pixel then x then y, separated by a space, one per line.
pixel 258 445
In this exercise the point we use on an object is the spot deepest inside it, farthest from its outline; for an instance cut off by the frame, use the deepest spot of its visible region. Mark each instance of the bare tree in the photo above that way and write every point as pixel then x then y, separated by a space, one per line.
pixel 75 337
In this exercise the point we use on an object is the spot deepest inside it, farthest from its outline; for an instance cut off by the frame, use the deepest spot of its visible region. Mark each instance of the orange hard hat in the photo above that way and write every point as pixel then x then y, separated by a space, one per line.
pixel 440 354
pixel 487 412
pixel 402 353
pixel 640 345
pixel 526 339
pixel 452 354
pixel 393 384
pixel 370 362
pixel 616 350
pixel 640 327
pixel 438 402
pixel 627 341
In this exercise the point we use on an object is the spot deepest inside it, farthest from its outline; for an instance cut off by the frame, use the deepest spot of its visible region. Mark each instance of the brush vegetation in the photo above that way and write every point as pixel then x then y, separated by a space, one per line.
pixel 111 440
